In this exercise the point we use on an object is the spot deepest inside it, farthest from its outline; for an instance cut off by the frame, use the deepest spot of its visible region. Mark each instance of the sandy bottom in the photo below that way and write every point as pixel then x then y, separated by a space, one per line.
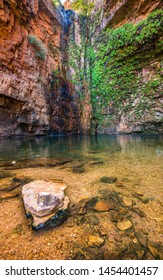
pixel 71 240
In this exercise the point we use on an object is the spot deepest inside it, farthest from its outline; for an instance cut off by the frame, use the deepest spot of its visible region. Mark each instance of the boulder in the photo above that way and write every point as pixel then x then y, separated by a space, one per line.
pixel 45 202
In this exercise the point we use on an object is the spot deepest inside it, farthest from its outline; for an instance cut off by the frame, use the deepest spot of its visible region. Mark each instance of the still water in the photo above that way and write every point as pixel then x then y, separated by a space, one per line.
pixel 89 232
pixel 81 147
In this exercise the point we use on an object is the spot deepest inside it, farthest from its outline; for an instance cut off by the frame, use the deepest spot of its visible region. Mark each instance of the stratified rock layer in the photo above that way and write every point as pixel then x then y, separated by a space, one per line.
pixel 33 100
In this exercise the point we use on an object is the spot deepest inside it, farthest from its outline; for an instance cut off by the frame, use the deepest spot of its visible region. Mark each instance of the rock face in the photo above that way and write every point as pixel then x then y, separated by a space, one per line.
pixel 47 64
pixel 144 106
pixel 116 13
pixel 45 201
pixel 35 96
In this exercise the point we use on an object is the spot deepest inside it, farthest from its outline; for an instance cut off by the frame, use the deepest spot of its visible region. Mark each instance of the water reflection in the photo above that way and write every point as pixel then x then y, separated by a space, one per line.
pixel 79 146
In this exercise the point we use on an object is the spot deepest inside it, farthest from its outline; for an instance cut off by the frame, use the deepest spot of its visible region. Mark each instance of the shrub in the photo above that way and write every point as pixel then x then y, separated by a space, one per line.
pixel 55 3
pixel 39 47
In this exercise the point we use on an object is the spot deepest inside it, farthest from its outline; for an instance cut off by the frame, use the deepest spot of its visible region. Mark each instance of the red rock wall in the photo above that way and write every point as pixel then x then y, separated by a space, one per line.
pixel 115 13
pixel 28 101
pixel 119 12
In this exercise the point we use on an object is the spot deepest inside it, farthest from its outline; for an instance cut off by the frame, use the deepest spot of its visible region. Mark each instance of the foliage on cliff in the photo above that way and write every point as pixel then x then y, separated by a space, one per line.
pixel 56 3
pixel 112 66
pixel 40 49
pixel 82 7
pixel 117 66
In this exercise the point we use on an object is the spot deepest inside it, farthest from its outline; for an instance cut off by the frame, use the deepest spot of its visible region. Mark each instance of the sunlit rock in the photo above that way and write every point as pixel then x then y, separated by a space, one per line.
pixel 45 201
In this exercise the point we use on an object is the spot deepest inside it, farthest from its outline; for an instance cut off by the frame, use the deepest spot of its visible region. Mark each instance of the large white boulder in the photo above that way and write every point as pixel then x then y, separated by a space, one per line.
pixel 43 200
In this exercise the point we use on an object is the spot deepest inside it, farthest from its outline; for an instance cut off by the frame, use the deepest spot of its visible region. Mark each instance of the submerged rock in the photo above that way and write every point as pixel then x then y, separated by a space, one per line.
pixel 103 205
pixel 8 195
pixel 5 174
pixel 126 201
pixel 142 238
pixel 96 163
pixel 143 199
pixel 45 202
pixel 7 185
pixel 138 211
pixel 140 193
pixel 89 219
pixel 119 184
pixel 78 170
pixel 108 180
pixel 84 205
pixel 156 250
pixel 123 225
pixel 95 241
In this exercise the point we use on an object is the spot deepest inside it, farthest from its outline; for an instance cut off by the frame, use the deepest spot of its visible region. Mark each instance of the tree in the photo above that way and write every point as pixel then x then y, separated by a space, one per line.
pixel 84 7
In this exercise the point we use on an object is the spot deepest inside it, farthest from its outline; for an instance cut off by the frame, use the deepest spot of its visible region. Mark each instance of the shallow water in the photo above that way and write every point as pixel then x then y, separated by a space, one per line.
pixel 136 162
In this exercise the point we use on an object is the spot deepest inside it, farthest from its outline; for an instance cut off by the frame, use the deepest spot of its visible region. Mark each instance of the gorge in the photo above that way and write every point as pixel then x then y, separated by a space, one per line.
pixel 97 70
pixel 81 123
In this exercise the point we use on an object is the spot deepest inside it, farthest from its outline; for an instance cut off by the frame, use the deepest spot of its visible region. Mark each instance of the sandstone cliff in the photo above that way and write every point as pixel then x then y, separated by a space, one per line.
pixel 132 66
pixel 35 97
pixel 64 72
pixel 116 70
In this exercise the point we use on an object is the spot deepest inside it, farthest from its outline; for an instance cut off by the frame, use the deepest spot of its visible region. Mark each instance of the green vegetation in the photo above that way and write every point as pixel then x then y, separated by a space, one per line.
pixel 56 3
pixel 112 66
pixel 82 7
pixel 123 53
pixel 40 49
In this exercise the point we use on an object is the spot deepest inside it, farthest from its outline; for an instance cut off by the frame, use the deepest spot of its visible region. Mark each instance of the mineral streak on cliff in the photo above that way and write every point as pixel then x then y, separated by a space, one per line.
pixel 33 100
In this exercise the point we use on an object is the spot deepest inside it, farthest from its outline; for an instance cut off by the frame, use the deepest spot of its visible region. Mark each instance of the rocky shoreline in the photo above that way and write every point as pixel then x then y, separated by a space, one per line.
pixel 113 222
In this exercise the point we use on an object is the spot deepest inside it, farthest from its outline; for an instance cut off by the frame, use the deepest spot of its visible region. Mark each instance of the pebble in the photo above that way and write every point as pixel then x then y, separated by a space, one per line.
pixel 123 225
pixel 118 238
pixel 95 241
pixel 119 184
pixel 135 240
pixel 102 206
pixel 102 231
pixel 140 193
pixel 127 201
pixel 108 180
